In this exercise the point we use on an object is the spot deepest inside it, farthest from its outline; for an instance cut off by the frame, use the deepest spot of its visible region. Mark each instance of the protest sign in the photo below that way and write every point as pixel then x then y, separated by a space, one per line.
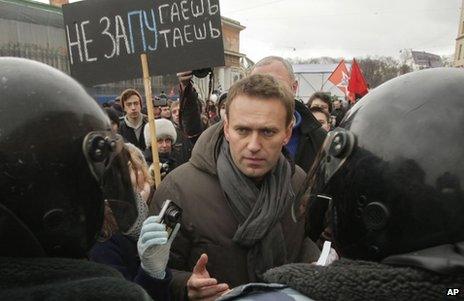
pixel 105 38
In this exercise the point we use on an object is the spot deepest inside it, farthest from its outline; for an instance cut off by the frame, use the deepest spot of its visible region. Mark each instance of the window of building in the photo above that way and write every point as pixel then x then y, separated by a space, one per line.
pixel 460 52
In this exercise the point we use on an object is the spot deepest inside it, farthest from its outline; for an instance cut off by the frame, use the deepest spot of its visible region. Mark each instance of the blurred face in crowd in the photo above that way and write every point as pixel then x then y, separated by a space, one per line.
pixel 164 145
pixel 165 112
pixel 132 107
pixel 256 130
pixel 322 118
pixel 114 127
pixel 279 72
pixel 175 114
pixel 320 104
pixel 157 112
pixel 222 111
pixel 337 104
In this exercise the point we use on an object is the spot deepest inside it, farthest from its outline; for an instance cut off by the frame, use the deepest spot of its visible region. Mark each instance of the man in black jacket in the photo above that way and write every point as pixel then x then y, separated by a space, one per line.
pixel 133 123
pixel 307 135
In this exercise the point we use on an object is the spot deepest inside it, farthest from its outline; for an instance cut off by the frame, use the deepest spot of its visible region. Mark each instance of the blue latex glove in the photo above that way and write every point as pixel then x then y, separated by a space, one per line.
pixel 153 246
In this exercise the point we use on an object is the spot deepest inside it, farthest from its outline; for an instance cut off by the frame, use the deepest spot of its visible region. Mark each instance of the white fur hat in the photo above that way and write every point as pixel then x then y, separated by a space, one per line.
pixel 164 127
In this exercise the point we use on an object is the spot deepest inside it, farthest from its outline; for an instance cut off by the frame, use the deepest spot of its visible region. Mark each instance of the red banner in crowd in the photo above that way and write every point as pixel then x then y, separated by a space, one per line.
pixel 357 85
pixel 340 77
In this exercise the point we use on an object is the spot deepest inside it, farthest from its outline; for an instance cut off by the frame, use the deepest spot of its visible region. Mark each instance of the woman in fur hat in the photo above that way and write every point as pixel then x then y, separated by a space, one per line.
pixel 166 136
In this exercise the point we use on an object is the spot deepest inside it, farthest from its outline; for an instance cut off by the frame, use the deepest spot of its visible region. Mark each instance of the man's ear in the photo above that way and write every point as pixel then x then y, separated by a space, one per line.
pixel 226 128
pixel 288 133
pixel 295 87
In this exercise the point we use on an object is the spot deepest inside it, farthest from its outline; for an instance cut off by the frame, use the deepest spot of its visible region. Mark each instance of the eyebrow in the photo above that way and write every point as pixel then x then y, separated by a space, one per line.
pixel 265 128
pixel 269 128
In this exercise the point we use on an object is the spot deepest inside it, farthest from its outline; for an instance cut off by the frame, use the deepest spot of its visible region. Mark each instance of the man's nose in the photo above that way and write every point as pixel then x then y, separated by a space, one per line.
pixel 254 142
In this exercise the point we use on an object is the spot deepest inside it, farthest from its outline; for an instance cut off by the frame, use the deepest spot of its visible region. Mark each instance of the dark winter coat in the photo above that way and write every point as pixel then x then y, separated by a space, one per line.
pixel 129 135
pixel 363 280
pixel 183 146
pixel 63 279
pixel 190 127
pixel 312 136
pixel 120 252
pixel 339 114
pixel 208 224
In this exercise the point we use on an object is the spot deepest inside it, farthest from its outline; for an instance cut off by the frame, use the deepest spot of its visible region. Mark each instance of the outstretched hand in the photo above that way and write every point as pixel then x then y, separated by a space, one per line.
pixel 201 286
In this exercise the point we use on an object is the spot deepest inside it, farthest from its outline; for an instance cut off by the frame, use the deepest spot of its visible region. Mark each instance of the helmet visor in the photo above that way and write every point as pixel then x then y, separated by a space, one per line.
pixel 336 148
pixel 108 161
pixel 311 199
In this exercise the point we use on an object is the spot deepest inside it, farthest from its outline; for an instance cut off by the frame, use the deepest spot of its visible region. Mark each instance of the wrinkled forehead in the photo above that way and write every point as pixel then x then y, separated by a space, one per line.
pixel 256 113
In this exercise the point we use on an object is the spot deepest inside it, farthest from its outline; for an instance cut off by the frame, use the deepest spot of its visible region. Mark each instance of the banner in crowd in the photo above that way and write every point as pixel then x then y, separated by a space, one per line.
pixel 340 77
pixel 106 37
pixel 357 86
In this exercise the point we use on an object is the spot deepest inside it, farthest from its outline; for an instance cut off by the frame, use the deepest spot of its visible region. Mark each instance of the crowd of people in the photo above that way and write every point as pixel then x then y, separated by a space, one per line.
pixel 253 198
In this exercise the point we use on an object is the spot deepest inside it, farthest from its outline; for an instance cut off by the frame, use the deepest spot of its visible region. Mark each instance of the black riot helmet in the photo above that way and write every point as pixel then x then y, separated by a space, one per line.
pixel 59 163
pixel 392 174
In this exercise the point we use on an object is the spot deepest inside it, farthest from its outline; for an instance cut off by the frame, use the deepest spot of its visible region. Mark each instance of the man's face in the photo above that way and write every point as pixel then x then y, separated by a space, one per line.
pixel 132 106
pixel 278 71
pixel 164 145
pixel 222 112
pixel 320 104
pixel 337 104
pixel 256 131
pixel 166 112
pixel 322 120
pixel 157 112
pixel 175 114
pixel 114 127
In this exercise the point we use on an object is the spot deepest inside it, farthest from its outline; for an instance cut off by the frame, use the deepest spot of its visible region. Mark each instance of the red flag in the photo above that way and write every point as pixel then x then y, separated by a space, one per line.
pixel 357 85
pixel 340 77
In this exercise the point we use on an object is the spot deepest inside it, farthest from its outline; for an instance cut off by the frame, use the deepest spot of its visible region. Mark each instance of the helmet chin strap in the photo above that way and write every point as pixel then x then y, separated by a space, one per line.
pixel 16 239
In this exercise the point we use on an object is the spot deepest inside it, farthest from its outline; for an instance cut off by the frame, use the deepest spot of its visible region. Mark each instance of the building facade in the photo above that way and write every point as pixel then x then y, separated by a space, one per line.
pixel 459 53
pixel 236 63
pixel 418 60
pixel 232 71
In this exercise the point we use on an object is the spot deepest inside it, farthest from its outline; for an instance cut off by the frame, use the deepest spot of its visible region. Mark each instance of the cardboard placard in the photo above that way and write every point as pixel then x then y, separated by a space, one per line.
pixel 106 37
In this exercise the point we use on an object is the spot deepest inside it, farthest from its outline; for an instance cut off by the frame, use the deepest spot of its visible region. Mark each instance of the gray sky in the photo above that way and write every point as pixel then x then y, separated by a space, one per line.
pixel 343 28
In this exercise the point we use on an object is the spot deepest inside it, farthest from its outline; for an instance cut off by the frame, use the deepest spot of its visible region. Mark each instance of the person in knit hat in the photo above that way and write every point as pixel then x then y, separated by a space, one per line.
pixel 166 136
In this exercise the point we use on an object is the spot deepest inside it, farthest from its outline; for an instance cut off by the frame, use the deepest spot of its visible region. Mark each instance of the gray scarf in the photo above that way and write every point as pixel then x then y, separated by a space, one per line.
pixel 258 211
pixel 136 126
pixel 142 208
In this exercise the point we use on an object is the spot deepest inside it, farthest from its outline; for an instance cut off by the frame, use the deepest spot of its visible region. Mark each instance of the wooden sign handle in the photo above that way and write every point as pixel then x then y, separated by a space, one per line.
pixel 151 119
